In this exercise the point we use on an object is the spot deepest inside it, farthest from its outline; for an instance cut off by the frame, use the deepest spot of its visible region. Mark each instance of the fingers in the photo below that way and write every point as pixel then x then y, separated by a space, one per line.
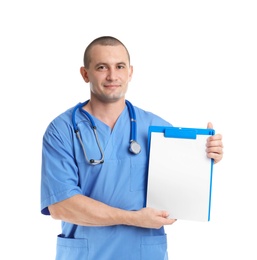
pixel 209 125
pixel 164 214
pixel 215 141
pixel 214 147
pixel 170 221
pixel 166 220
pixel 153 218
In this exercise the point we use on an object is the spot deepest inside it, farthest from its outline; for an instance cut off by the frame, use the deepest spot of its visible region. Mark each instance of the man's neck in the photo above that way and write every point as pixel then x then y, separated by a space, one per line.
pixel 108 113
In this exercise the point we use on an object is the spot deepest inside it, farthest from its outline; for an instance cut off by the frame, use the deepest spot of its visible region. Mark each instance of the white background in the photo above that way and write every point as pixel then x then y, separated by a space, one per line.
pixel 194 62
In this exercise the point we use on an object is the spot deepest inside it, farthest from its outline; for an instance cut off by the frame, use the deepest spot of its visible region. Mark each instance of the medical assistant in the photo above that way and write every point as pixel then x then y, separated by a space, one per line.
pixel 119 182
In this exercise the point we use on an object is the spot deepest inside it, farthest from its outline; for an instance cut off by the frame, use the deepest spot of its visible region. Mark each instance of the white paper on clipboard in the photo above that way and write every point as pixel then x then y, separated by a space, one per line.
pixel 179 172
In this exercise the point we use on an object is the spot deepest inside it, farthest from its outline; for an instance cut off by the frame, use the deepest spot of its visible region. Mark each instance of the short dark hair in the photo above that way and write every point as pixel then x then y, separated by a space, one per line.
pixel 104 41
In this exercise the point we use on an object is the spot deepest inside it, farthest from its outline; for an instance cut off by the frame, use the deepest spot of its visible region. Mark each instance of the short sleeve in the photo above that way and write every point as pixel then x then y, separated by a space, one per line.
pixel 59 172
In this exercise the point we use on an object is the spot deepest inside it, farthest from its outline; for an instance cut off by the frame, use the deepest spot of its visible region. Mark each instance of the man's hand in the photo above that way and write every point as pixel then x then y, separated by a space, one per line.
pixel 152 218
pixel 214 146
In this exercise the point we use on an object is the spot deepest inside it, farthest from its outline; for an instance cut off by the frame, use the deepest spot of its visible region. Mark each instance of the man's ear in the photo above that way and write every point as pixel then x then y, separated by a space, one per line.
pixel 84 75
pixel 130 73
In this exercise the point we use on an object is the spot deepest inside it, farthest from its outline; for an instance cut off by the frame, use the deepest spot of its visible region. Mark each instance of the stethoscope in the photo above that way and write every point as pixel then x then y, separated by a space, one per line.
pixel 134 146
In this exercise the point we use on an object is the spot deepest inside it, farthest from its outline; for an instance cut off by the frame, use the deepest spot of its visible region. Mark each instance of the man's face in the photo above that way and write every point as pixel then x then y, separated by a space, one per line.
pixel 109 72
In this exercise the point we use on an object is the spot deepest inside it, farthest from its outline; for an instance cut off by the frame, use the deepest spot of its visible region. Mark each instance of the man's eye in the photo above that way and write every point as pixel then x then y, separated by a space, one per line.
pixel 120 67
pixel 101 67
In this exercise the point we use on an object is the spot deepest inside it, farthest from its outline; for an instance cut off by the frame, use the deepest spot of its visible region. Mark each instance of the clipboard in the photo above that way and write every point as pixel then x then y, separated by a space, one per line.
pixel 179 172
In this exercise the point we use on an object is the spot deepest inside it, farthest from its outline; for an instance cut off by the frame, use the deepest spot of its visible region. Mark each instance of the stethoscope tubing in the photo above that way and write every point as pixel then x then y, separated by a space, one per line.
pixel 134 147
pixel 133 122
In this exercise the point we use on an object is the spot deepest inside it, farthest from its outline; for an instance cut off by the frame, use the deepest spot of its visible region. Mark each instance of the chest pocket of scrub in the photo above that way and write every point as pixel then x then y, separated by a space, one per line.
pixel 138 174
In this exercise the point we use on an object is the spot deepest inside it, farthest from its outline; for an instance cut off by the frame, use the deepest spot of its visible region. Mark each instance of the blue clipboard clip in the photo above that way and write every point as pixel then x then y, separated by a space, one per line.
pixel 188 133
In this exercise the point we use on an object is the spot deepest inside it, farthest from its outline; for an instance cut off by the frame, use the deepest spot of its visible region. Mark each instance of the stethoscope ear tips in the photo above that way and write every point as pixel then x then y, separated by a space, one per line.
pixel 134 147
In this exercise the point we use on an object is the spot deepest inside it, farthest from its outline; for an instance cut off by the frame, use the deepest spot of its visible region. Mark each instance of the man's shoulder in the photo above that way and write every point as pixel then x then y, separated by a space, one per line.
pixel 149 116
pixel 61 121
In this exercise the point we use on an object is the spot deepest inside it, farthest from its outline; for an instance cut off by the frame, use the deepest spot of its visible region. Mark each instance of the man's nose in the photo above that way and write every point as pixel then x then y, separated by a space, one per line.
pixel 112 74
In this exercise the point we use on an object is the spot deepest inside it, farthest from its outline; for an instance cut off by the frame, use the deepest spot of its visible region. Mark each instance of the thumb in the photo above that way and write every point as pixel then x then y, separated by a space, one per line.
pixel 209 125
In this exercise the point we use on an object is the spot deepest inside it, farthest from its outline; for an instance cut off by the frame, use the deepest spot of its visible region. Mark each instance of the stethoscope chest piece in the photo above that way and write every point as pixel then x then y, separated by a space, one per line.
pixel 134 147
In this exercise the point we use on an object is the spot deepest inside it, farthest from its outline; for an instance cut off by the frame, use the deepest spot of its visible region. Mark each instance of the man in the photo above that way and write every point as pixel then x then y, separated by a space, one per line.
pixel 91 180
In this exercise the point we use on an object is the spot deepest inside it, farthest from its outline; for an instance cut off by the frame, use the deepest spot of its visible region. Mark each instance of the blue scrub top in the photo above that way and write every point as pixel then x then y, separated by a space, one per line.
pixel 119 182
